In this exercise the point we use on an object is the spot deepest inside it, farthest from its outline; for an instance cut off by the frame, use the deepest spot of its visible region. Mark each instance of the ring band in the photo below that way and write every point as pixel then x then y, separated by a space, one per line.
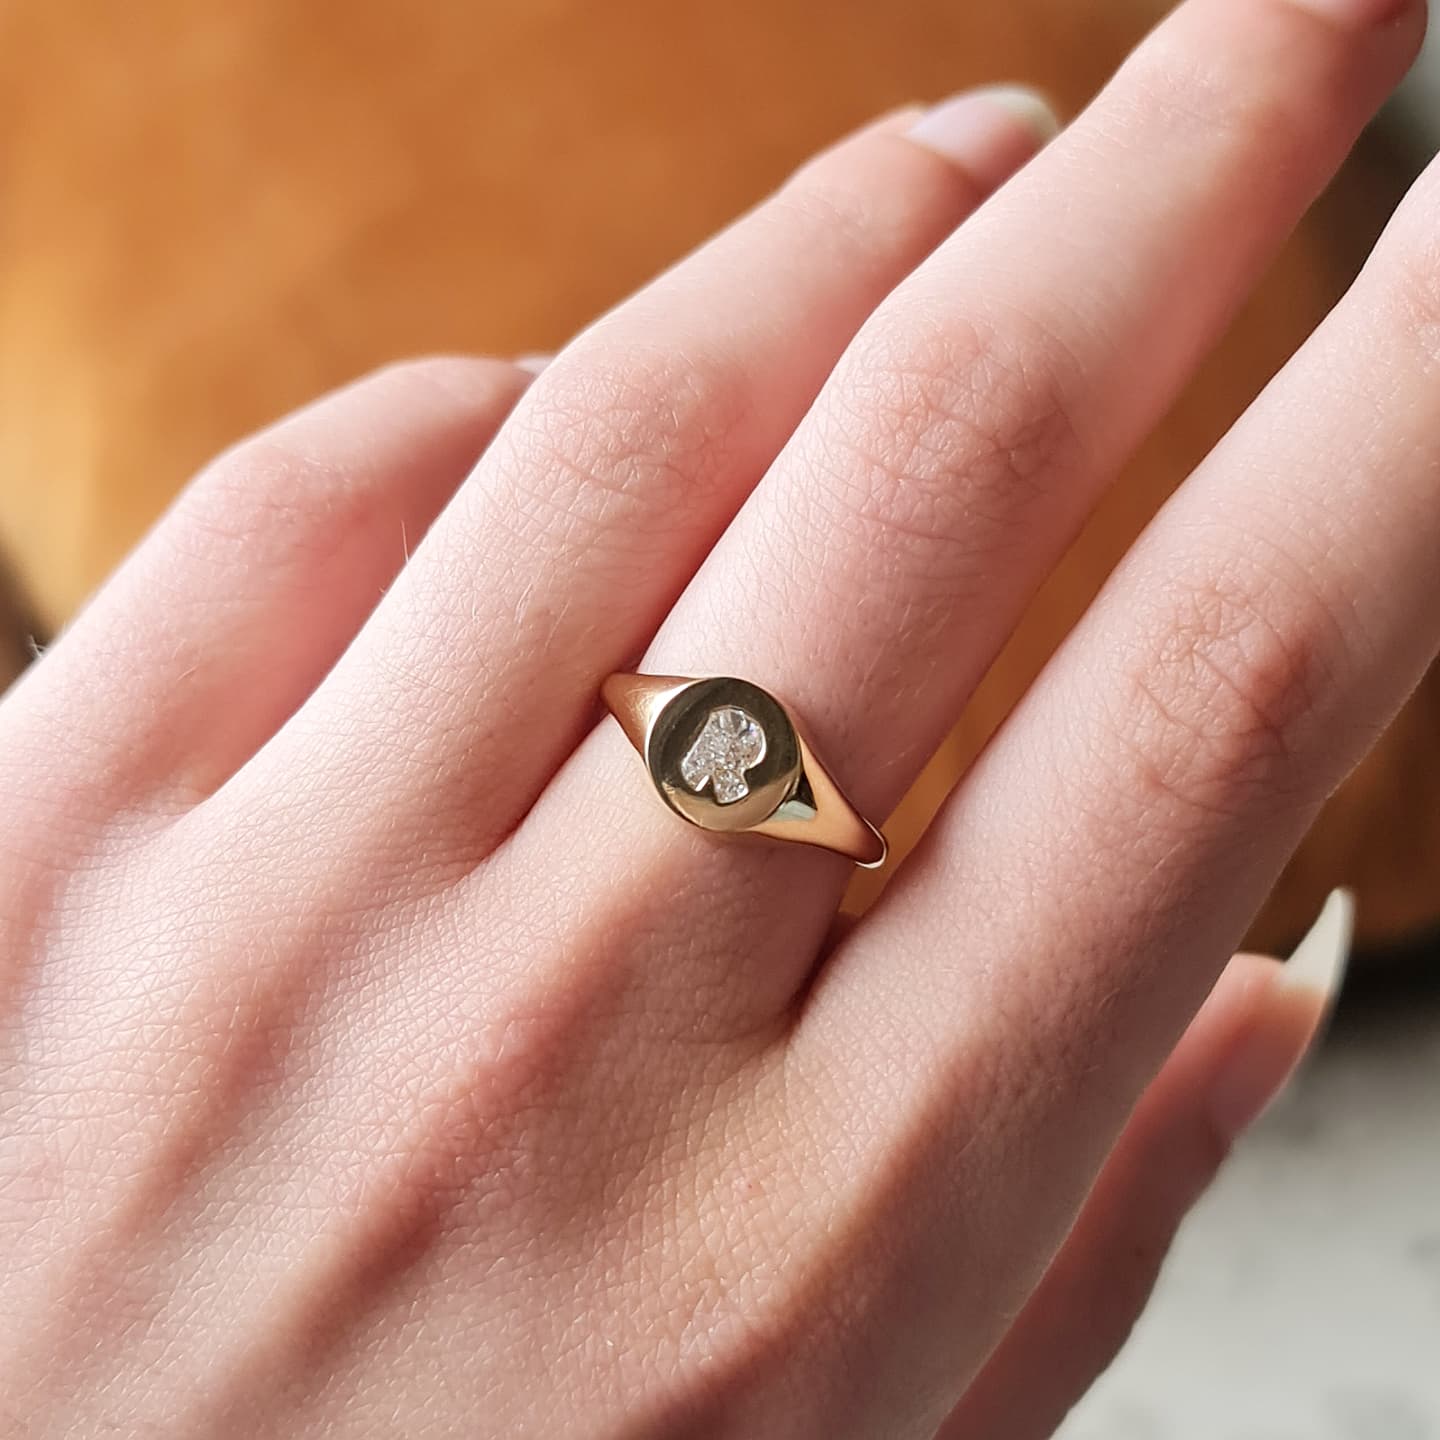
pixel 729 757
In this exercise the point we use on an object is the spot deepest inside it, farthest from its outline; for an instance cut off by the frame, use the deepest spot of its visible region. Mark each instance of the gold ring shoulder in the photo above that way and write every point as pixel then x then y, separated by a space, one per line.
pixel 826 817
pixel 637 700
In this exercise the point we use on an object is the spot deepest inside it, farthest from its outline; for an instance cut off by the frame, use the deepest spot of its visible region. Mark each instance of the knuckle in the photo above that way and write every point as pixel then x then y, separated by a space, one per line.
pixel 818 202
pixel 266 485
pixel 869 200
pixel 1177 87
pixel 944 436
pixel 608 433
pixel 1231 665
pixel 305 491
pixel 259 484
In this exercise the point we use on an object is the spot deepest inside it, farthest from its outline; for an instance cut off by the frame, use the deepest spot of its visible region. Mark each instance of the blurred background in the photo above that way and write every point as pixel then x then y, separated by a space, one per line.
pixel 212 211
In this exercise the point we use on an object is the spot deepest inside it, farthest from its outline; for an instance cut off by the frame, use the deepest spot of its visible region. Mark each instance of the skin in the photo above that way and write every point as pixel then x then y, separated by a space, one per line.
pixel 376 1055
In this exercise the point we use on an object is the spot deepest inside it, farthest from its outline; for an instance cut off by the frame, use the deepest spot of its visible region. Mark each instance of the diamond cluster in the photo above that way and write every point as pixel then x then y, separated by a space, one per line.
pixel 731 742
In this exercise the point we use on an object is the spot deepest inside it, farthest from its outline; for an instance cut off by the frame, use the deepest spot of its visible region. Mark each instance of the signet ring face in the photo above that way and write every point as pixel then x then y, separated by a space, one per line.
pixel 727 756
pixel 723 754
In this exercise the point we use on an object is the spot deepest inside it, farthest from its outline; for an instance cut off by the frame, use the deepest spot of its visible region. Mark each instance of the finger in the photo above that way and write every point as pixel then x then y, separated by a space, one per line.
pixel 888 555
pixel 613 477
pixel 1234 1058
pixel 245 593
pixel 356 780
pixel 883 561
pixel 1142 799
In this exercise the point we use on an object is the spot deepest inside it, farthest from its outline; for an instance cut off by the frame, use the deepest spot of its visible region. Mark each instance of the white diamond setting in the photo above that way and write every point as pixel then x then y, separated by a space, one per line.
pixel 731 742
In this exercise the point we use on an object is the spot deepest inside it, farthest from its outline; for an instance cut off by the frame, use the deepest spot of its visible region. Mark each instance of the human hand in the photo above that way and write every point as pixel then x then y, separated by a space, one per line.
pixel 380 1058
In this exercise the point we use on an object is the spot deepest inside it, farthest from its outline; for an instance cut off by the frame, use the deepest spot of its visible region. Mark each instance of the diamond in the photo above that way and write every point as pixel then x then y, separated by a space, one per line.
pixel 731 742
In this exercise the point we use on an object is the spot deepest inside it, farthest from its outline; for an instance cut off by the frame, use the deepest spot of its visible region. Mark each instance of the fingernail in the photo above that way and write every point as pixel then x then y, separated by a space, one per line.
pixel 1357 12
pixel 1287 1026
pixel 988 133
pixel 1318 962
pixel 533 363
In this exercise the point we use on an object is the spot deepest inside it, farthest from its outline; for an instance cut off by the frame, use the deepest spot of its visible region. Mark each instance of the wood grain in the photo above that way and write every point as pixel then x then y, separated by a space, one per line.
pixel 213 212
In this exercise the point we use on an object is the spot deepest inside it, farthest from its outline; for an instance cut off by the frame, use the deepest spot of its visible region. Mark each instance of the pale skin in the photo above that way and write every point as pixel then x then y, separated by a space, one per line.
pixel 378 1057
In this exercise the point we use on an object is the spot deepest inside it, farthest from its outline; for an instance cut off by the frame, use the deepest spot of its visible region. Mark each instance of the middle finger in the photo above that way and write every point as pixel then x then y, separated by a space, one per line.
pixel 557 559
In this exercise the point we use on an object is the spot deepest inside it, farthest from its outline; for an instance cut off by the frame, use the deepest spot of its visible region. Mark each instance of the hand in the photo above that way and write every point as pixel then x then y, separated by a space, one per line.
pixel 379 1058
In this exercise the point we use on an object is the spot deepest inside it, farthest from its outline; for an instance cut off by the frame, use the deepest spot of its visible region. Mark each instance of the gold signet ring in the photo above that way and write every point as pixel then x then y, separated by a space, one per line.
pixel 728 756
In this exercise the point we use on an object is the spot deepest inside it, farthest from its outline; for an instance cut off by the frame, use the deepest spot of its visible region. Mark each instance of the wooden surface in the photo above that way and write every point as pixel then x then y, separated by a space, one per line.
pixel 212 212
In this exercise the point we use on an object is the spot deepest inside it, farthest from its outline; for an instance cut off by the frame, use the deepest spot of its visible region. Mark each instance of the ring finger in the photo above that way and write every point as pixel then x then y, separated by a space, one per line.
pixel 882 562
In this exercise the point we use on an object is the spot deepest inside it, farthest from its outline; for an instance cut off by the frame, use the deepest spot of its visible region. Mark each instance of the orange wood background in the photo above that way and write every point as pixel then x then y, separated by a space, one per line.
pixel 210 211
